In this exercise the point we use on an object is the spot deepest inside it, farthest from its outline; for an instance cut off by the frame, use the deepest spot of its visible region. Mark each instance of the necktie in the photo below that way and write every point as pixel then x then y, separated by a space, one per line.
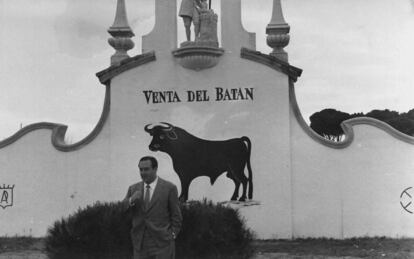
pixel 147 196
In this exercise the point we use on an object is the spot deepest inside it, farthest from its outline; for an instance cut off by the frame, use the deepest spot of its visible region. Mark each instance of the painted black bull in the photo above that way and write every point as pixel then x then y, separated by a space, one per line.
pixel 193 157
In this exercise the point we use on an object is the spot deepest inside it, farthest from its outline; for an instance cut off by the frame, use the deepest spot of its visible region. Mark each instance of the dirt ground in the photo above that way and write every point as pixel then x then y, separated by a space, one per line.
pixel 33 248
pixel 40 255
pixel 23 255
pixel 373 248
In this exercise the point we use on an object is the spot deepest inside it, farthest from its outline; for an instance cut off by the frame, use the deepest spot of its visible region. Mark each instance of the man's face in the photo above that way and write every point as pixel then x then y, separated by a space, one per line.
pixel 148 173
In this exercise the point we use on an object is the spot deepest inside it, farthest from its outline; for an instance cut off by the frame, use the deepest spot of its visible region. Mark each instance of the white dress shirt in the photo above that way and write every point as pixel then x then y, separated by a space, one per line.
pixel 152 188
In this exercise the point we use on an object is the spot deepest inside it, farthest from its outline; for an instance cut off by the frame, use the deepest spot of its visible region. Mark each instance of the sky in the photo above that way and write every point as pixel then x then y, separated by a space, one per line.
pixel 357 55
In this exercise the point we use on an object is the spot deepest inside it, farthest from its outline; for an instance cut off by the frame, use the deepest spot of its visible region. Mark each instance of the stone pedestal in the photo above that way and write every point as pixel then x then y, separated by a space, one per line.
pixel 208 29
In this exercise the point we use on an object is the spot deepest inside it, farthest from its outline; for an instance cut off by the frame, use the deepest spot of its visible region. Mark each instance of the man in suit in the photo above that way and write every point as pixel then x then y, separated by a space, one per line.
pixel 156 215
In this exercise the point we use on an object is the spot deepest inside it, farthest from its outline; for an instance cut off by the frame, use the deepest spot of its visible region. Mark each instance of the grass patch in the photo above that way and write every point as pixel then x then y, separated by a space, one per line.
pixel 21 243
pixel 378 247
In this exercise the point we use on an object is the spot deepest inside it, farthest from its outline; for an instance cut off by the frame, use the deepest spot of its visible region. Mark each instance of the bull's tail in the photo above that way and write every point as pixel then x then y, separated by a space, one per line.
pixel 249 168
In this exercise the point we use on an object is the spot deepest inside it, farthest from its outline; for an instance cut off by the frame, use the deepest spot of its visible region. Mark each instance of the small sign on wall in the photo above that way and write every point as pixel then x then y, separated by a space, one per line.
pixel 6 196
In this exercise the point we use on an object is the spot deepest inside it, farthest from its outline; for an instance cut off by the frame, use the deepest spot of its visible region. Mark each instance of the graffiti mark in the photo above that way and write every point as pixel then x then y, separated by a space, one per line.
pixel 406 200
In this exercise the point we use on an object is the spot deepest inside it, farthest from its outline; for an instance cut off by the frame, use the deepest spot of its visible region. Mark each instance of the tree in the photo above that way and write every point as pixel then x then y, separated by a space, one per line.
pixel 383 115
pixel 327 123
pixel 405 125
pixel 408 115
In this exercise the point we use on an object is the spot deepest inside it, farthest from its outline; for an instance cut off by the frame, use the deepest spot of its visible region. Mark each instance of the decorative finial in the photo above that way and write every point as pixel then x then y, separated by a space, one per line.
pixel 278 32
pixel 121 33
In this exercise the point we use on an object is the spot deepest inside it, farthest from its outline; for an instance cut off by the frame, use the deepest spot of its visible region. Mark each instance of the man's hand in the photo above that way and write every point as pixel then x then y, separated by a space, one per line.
pixel 136 196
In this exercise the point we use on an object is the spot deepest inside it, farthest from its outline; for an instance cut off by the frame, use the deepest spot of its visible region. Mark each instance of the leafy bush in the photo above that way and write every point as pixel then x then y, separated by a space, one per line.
pixel 213 231
pixel 92 232
pixel 102 231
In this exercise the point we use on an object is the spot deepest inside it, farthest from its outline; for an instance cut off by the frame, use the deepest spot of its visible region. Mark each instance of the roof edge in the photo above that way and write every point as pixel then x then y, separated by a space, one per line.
pixel 107 74
pixel 59 130
pixel 272 62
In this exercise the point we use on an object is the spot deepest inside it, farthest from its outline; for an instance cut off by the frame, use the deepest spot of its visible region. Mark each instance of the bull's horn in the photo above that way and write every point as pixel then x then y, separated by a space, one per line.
pixel 170 127
pixel 147 129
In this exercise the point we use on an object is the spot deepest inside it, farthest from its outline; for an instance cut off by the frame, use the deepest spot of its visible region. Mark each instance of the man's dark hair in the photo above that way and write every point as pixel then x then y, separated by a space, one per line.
pixel 154 162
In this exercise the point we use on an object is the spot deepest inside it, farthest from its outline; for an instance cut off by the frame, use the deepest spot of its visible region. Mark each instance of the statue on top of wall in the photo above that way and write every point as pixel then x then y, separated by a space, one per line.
pixel 204 20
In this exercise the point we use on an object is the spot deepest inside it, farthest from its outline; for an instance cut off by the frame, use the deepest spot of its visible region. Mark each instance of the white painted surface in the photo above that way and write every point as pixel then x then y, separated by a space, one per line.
pixel 105 168
pixel 50 184
pixel 350 192
pixel 305 189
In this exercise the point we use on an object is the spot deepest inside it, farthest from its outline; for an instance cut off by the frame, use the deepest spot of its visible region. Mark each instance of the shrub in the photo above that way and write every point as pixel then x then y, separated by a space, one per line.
pixel 102 231
pixel 213 231
pixel 92 232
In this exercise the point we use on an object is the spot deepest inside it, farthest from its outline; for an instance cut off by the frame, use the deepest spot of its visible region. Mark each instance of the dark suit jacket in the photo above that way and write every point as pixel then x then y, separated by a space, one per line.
pixel 162 218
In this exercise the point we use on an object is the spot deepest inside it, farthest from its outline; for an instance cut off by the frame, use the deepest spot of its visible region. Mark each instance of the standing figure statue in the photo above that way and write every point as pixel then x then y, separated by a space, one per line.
pixel 190 12
pixel 200 7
